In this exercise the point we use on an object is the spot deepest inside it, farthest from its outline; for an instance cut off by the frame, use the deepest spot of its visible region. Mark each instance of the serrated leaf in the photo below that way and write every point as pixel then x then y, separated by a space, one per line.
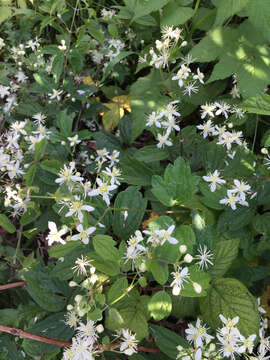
pixel 160 305
pixel 151 153
pixel 115 61
pixel 5 13
pixel 40 148
pixel 173 14
pixel 7 224
pixel 224 253
pixel 259 104
pixel 231 298
pixel 117 289
pixel 159 270
pixel 126 223
pixel 227 8
pixel 107 267
pixel 167 340
pixel 259 16
pixel 145 7
pixel 186 236
pixel 104 246
pixel 135 172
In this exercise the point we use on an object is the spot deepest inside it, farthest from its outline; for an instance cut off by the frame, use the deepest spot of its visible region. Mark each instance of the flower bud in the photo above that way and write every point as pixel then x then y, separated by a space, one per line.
pixel 182 249
pixel 100 328
pixel 188 258
pixel 197 287
pixel 176 290
pixel 72 284
pixel 69 307
pixel 78 298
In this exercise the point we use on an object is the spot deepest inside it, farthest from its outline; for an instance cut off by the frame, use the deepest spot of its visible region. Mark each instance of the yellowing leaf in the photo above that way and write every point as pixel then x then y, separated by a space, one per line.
pixel 89 81
pixel 152 217
pixel 123 101
pixel 111 117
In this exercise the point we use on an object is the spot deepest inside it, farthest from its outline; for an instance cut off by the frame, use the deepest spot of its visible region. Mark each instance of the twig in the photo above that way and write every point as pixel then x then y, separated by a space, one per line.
pixel 28 335
pixel 13 285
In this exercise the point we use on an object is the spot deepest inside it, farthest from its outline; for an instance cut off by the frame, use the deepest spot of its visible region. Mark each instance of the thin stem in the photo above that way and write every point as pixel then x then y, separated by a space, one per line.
pixel 13 285
pixel 255 134
pixel 19 233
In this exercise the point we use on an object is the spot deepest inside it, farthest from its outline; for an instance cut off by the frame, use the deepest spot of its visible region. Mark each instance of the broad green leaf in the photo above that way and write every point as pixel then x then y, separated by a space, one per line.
pixel 30 215
pixel 135 172
pixel 186 236
pixel 185 306
pixel 7 224
pixel 167 340
pixel 259 16
pixel 53 327
pixel 43 290
pixel 57 67
pixel 9 317
pixel 173 14
pixel 261 223
pixel 159 189
pixel 118 288
pixel 115 61
pixel 107 267
pixel 104 246
pixel 40 149
pixel 64 122
pixel 5 13
pixel 159 270
pixel 224 253
pixel 52 166
pixel 227 8
pixel 230 220
pixel 126 222
pixel 30 174
pixel 160 305
pixel 145 7
pixel 199 277
pixel 135 320
pixel 231 298
pixel 151 153
pixel 259 104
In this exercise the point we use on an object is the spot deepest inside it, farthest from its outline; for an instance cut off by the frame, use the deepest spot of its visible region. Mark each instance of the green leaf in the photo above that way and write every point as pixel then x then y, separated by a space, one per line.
pixel 118 288
pixel 64 122
pixel 30 215
pixel 179 183
pixel 135 172
pixel 5 13
pixel 185 306
pixel 173 14
pixel 125 223
pixel 231 298
pixel 159 270
pixel 115 61
pixel 224 253
pixel 151 153
pixel 196 276
pixel 145 7
pixel 107 267
pixel 30 174
pixel 52 166
pixel 259 16
pixel 8 348
pixel 259 104
pixel 40 149
pixel 186 236
pixel 43 289
pixel 230 220
pixel 227 8
pixel 57 67
pixel 53 327
pixel 7 224
pixel 104 246
pixel 160 305
pixel 167 340
pixel 134 320
pixel 76 60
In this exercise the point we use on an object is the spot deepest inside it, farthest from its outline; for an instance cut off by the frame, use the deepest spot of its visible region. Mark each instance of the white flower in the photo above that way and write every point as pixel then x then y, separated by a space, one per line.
pixel 113 173
pixel 223 109
pixel 135 241
pixel 153 119
pixel 81 264
pixel 197 334
pixel 168 32
pixel 39 118
pixel 180 276
pixel 81 349
pixel 235 92
pixel 226 139
pixel 214 179
pixel 14 170
pixel 230 200
pixel 205 256
pixel 2 43
pixel 17 127
pixel 229 323
pixel 34 140
pixel 83 234
pixel 207 109
pixel 55 235
pixel 248 343
pixel 207 128
pixel 129 343
pixel 165 235
pixel 87 331
pixel 264 341
pixel 71 319
pixel 190 88
pixel 240 188
pixel 67 175
pixel 199 76
pixel 74 140
pixel 55 94
pixel 170 124
pixel 4 91
pixel 12 141
pixel 182 74
pixel 103 189
pixel 21 77
pixel 76 208
pixel 163 140
pixel 260 308
pixel 171 110
pixel 63 46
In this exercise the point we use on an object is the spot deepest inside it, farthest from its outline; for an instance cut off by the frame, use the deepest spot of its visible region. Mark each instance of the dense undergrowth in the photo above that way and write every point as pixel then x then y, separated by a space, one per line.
pixel 135 179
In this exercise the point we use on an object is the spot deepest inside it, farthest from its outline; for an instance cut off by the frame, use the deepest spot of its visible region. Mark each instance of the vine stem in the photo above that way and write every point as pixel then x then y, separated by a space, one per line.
pixel 28 335
pixel 13 285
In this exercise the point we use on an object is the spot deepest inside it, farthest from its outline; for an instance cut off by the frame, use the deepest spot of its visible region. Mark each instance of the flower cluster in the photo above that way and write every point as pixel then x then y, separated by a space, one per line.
pixel 164 121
